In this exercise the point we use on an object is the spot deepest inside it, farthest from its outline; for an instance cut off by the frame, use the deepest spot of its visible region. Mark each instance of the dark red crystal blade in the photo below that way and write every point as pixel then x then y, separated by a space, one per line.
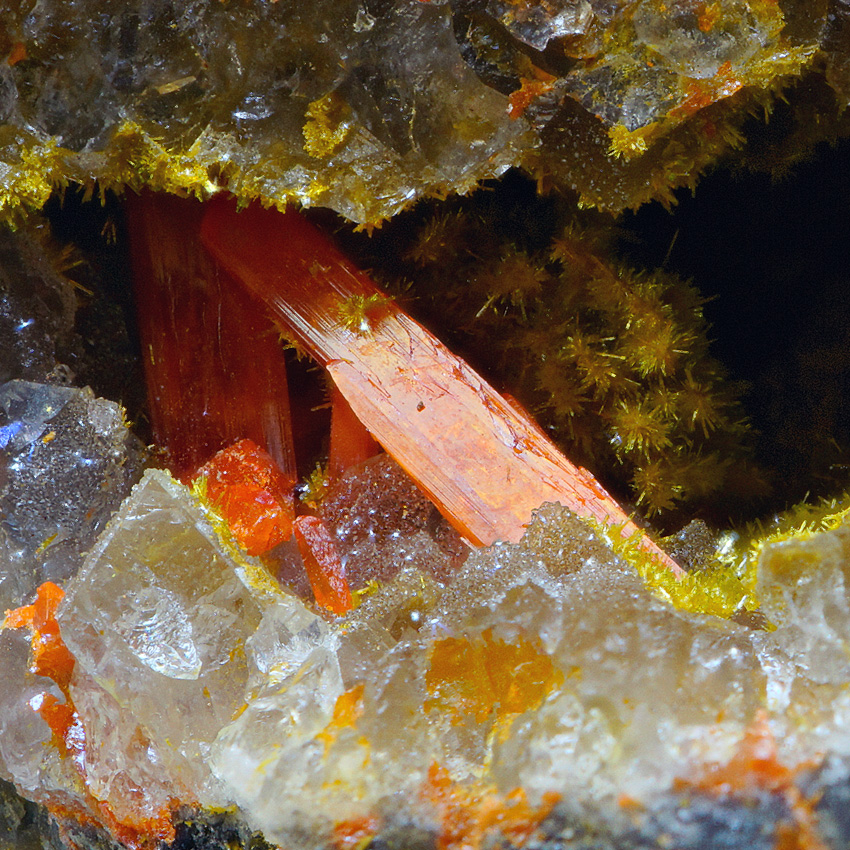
pixel 213 361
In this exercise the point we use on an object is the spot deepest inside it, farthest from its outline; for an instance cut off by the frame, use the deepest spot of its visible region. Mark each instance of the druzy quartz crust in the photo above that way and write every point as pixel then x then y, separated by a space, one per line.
pixel 191 657
pixel 364 107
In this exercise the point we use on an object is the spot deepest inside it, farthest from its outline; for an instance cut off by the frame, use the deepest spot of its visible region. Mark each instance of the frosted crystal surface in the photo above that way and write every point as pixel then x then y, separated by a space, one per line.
pixel 695 46
pixel 630 693
pixel 561 597
pixel 159 617
pixel 382 522
pixel 545 665
pixel 67 459
pixel 811 606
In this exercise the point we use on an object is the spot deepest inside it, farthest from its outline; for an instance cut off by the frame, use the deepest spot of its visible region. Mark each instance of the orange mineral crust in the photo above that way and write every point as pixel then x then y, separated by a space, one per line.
pixel 755 768
pixel 482 463
pixel 489 678
pixel 468 814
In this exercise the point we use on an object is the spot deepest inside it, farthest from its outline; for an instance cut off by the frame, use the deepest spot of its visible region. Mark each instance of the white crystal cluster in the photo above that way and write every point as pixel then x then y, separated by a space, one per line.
pixel 544 665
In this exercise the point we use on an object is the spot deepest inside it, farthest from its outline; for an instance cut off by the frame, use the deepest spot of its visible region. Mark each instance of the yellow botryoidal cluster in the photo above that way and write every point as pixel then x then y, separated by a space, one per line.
pixel 614 362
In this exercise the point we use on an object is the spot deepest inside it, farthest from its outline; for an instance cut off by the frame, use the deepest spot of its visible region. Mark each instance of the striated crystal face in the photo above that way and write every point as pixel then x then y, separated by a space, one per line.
pixel 60 449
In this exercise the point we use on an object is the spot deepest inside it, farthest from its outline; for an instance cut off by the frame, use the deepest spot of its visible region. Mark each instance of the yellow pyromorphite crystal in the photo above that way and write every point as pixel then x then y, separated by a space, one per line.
pixel 325 129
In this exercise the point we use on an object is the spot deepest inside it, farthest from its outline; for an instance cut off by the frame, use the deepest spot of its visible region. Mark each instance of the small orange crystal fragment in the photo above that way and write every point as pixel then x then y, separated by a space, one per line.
pixel 17 54
pixel 348 709
pixel 528 92
pixel 253 497
pixel 324 568
pixel 355 834
pixel 51 658
pixel 755 768
pixel 481 463
pixel 470 816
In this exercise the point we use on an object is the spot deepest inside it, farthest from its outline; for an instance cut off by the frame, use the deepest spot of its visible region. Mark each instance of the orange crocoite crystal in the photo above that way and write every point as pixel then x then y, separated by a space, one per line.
pixel 214 366
pixel 52 659
pixel 324 568
pixel 245 486
pixel 481 462
pixel 351 443
pixel 50 656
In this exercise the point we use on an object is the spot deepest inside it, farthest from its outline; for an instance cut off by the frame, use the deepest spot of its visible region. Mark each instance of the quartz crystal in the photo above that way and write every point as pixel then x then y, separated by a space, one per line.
pixel 196 679
pixel 517 674
pixel 159 618
pixel 60 448
pixel 364 107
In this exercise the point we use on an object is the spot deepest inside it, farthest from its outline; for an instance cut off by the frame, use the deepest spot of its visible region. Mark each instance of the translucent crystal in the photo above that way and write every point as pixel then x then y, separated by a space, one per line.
pixel 26 756
pixel 804 587
pixel 696 38
pixel 516 673
pixel 36 309
pixel 60 449
pixel 366 107
pixel 159 617
pixel 383 522
pixel 537 23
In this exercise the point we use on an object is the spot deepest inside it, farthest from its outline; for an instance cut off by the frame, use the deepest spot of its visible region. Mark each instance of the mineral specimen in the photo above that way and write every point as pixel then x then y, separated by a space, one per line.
pixel 422 707
pixel 532 694
pixel 614 361
pixel 214 369
pixel 363 108
pixel 480 458
pixel 60 448
pixel 170 631
pixel 382 522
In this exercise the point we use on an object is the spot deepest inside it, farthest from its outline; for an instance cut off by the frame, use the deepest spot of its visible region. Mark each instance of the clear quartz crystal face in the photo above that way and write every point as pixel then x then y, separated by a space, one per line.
pixel 537 23
pixel 160 617
pixel 696 39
